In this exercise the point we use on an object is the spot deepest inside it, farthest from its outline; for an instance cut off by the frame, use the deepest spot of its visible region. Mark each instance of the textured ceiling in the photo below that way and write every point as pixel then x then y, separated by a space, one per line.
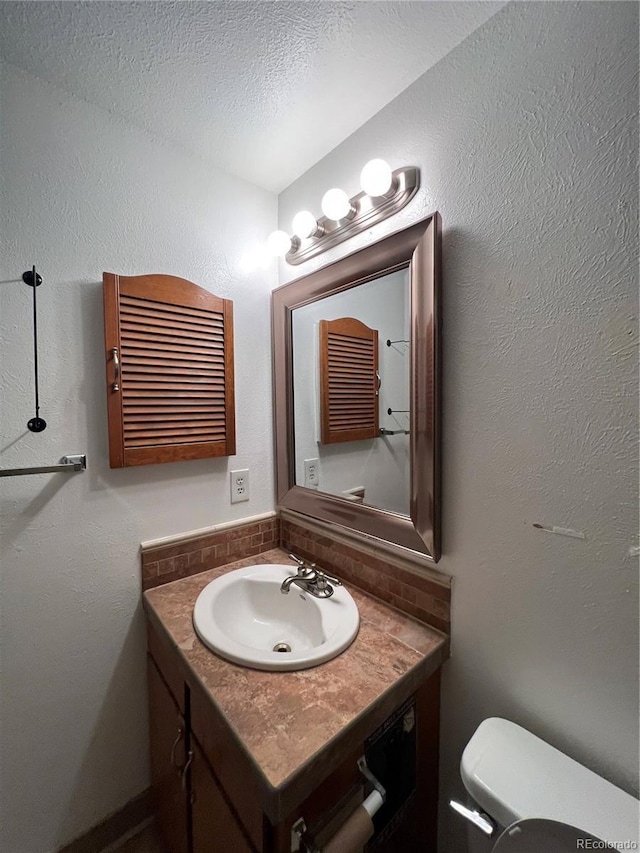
pixel 260 89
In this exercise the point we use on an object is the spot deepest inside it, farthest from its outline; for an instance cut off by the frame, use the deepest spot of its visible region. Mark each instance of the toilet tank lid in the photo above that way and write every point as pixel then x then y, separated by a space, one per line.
pixel 513 775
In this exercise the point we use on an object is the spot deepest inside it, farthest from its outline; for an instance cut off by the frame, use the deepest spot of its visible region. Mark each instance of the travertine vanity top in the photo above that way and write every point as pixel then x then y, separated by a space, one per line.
pixel 283 720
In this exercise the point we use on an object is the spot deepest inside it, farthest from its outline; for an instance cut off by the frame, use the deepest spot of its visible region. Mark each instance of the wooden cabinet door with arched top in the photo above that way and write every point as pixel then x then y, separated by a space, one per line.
pixel 169 360
pixel 349 381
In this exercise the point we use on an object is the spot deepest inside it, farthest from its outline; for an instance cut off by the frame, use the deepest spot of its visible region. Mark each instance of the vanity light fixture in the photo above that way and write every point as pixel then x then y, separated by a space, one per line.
pixel 384 192
pixel 376 179
pixel 336 205
pixel 304 225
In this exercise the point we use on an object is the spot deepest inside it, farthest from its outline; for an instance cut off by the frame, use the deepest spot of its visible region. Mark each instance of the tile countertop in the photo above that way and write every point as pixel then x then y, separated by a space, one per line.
pixel 284 720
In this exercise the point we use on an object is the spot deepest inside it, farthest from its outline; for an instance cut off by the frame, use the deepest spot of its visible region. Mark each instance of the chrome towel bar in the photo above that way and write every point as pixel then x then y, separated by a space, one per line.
pixel 68 464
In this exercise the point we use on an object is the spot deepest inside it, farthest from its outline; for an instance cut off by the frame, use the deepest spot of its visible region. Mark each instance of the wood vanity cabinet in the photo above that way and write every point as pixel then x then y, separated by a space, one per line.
pixel 190 806
pixel 207 792
pixel 213 824
pixel 167 736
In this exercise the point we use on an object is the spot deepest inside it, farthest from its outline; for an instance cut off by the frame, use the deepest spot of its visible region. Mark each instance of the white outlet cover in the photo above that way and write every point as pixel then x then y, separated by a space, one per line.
pixel 311 472
pixel 239 485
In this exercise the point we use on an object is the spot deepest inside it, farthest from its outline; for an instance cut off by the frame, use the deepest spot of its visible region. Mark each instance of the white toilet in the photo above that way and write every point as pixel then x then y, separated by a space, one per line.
pixel 531 798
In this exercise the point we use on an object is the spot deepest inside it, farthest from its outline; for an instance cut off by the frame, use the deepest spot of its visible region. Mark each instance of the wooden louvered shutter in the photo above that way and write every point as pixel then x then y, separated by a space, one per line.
pixel 348 381
pixel 171 397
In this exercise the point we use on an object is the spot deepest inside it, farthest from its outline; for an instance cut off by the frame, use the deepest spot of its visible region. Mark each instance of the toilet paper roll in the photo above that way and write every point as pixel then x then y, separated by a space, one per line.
pixel 353 834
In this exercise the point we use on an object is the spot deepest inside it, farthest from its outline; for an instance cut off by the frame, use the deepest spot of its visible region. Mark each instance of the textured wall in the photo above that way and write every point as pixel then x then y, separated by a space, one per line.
pixel 257 101
pixel 81 193
pixel 526 138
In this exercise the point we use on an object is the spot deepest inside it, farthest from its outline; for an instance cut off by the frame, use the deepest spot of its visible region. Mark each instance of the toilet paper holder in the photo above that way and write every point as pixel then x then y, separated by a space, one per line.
pixel 301 842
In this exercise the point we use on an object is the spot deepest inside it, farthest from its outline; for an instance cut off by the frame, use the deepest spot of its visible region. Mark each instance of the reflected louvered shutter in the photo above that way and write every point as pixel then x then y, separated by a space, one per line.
pixel 348 380
pixel 170 387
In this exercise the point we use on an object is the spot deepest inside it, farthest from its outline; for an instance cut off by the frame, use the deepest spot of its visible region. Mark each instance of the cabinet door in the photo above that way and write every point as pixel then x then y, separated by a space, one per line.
pixel 349 381
pixel 169 363
pixel 167 744
pixel 214 827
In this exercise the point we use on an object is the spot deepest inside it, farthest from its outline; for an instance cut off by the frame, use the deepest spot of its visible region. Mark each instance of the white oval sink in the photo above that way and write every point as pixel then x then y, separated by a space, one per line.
pixel 243 617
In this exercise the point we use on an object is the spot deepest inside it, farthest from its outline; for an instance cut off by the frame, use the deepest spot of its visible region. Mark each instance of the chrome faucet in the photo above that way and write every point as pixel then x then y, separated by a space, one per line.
pixel 310 579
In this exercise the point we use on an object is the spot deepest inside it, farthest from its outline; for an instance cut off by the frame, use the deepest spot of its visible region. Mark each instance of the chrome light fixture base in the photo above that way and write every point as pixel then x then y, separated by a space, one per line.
pixel 369 210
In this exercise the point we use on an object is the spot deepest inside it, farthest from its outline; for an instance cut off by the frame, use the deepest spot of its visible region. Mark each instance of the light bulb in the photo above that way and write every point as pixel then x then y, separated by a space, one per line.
pixel 376 178
pixel 335 204
pixel 304 224
pixel 278 243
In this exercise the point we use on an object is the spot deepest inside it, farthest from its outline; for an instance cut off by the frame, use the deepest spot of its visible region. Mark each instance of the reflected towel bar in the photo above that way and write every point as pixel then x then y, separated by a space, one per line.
pixel 67 464
pixel 385 431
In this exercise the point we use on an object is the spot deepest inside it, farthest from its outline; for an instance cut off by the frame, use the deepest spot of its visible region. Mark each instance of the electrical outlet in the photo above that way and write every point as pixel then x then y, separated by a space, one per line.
pixel 311 472
pixel 239 486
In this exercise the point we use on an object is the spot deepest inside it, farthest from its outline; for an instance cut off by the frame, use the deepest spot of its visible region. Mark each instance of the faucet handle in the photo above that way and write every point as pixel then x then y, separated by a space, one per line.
pixel 328 578
pixel 304 568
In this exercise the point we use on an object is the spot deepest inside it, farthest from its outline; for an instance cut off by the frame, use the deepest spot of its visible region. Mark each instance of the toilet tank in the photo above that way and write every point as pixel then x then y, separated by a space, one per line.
pixel 512 775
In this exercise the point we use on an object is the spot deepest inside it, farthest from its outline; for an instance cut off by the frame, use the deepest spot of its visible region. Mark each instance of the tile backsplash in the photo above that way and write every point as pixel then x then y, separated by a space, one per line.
pixel 419 595
pixel 164 563
pixel 425 595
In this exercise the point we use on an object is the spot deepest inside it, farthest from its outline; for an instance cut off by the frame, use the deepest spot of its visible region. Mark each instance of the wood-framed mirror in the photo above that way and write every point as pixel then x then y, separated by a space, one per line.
pixel 366 286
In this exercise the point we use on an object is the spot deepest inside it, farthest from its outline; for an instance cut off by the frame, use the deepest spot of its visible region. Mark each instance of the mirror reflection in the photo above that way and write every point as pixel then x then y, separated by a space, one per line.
pixel 351 362
pixel 381 471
